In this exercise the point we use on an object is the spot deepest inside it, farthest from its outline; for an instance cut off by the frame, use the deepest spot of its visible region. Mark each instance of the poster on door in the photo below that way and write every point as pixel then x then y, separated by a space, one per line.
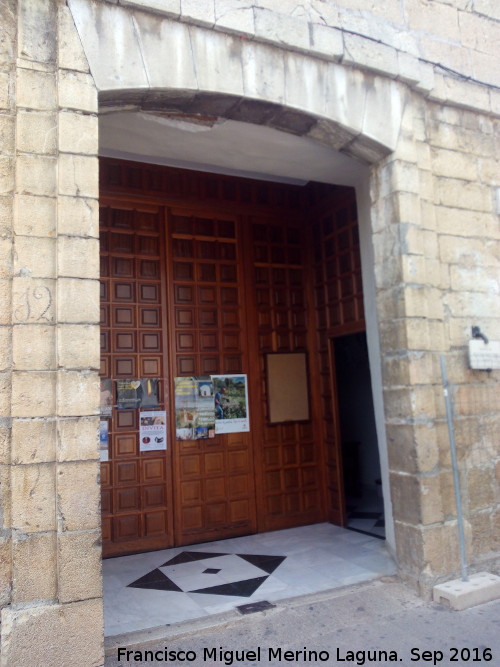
pixel 194 408
pixel 104 440
pixel 140 393
pixel 152 430
pixel 231 403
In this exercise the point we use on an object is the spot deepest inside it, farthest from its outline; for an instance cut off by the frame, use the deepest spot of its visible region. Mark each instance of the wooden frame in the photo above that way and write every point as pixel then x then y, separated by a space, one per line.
pixel 287 387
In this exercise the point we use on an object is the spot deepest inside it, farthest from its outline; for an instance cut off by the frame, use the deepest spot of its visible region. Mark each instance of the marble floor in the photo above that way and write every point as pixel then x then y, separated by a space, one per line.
pixel 165 587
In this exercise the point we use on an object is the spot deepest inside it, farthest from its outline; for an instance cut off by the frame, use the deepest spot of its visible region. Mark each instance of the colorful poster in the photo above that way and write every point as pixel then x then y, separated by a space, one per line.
pixel 231 403
pixel 137 393
pixel 152 430
pixel 103 440
pixel 194 408
pixel 106 397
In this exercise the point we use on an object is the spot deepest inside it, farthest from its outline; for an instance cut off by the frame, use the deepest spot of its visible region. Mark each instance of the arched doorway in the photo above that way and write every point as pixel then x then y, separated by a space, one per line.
pixel 292 473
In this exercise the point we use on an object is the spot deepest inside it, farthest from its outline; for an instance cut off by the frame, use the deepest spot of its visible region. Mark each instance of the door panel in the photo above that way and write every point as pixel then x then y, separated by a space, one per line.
pixel 208 337
pixel 205 274
pixel 136 486
pixel 291 460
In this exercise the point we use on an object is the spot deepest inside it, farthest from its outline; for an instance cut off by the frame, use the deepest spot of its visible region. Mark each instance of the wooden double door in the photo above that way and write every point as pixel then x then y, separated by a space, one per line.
pixel 204 275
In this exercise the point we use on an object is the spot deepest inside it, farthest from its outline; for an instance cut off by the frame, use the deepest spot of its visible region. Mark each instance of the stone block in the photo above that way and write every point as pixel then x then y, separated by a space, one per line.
pixel 78 257
pixel 35 257
pixel 7 134
pixel 5 299
pixel 409 548
pixel 5 386
pixel 71 55
pixel 5 571
pixel 422 301
pixel 345 97
pixel 34 347
pixel 408 68
pixel 78 176
pixel 36 175
pixel 474 253
pixel 305 83
pixel 78 216
pixel 198 13
pixel 78 346
pixel 36 132
pixel 5 93
pixel 6 215
pixel 475 279
pixel 35 216
pixel 77 91
pixel 167 54
pixel 432 500
pixel 7 171
pixel 70 634
pixel 5 349
pixel 78 301
pixel 79 565
pixel 33 300
pixel 78 439
pixel 458 594
pixel 412 448
pixel 263 72
pixel 78 495
pixel 78 133
pixel 488 8
pixel 326 41
pixel 33 441
pixel 456 193
pixel 481 485
pixel 34 567
pixel 454 164
pixel 33 394
pixel 441 547
pixel 36 90
pixel 281 29
pixel 476 142
pixel 232 16
pixel 484 68
pixel 483 530
pixel 373 55
pixel 436 19
pixel 37 38
pixel 33 497
pixel 475 305
pixel 77 393
pixel 5 257
pixel 217 62
pixel 112 45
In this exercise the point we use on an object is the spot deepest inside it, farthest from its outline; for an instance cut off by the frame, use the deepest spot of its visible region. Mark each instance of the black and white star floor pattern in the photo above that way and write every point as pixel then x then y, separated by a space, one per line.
pixel 181 572
pixel 165 587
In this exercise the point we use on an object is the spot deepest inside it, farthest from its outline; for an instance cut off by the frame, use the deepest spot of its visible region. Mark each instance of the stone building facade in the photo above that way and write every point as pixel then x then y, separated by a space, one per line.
pixel 409 90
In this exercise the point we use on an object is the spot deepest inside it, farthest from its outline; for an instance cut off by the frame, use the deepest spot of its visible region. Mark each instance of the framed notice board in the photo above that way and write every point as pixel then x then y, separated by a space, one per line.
pixel 287 387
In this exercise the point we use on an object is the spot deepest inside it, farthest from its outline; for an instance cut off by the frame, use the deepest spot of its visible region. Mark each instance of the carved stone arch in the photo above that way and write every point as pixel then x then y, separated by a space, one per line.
pixel 155 63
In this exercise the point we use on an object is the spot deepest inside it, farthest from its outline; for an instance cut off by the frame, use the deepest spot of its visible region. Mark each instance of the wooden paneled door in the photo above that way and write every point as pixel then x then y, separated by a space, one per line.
pixel 214 478
pixel 204 275
pixel 172 304
pixel 137 499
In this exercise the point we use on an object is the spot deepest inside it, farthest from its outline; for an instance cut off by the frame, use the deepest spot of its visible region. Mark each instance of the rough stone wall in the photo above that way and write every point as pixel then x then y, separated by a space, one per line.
pixel 50 558
pixel 437 255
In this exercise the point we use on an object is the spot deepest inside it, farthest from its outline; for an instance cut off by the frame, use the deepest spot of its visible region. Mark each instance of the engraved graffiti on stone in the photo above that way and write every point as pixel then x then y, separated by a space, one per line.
pixel 34 305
